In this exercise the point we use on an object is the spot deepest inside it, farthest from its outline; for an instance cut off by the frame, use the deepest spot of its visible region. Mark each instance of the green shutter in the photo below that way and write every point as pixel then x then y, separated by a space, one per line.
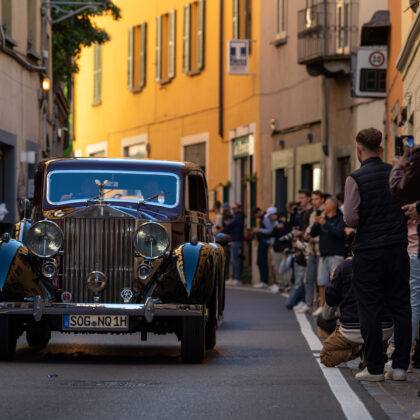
pixel 172 41
pixel 97 73
pixel 130 58
pixel 247 19
pixel 143 34
pixel 201 32
pixel 186 62
pixel 235 19
pixel 158 48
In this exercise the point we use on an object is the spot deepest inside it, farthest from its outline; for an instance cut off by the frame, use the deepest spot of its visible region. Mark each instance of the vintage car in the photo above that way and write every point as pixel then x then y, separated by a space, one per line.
pixel 113 246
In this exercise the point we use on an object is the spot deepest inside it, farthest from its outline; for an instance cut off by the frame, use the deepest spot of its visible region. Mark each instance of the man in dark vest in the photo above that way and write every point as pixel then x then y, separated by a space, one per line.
pixel 381 264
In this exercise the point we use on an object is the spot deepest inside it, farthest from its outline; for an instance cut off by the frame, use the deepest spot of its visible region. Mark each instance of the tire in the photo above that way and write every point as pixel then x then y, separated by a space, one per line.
pixel 193 339
pixel 211 325
pixel 8 338
pixel 38 335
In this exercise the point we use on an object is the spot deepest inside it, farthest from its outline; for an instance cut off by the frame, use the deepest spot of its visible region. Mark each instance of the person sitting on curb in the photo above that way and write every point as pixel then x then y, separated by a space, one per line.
pixel 345 342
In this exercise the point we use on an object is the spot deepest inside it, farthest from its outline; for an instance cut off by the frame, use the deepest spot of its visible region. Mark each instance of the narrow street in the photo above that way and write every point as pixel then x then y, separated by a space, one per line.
pixel 263 367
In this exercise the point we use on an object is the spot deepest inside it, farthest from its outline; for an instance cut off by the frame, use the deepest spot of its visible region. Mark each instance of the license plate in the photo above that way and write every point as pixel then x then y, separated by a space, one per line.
pixel 95 322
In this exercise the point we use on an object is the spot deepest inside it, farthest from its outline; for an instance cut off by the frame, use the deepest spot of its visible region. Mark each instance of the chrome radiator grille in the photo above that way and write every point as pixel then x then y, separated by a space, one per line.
pixel 98 244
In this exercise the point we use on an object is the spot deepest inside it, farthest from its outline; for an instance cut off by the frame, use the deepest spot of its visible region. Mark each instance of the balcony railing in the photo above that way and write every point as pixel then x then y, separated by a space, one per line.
pixel 327 31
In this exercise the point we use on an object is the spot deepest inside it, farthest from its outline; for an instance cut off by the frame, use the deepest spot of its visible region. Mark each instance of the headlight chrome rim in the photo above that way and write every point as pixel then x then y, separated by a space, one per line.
pixel 30 237
pixel 142 251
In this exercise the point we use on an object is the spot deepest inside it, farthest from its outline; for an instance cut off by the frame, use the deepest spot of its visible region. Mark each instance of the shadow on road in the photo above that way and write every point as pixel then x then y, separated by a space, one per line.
pixel 105 354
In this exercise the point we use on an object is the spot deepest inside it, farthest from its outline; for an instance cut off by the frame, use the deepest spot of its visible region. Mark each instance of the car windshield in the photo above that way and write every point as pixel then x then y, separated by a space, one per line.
pixel 69 186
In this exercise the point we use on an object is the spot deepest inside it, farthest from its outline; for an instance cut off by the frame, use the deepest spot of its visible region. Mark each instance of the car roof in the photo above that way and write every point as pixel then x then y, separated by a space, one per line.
pixel 118 163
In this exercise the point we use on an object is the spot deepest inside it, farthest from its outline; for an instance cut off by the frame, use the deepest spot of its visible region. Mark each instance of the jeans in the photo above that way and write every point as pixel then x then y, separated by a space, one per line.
pixel 414 296
pixel 236 259
pixel 326 266
pixel 310 280
pixel 381 277
pixel 262 260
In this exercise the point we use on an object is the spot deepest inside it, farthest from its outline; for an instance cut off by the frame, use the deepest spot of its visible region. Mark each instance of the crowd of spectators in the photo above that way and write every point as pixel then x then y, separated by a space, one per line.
pixel 352 260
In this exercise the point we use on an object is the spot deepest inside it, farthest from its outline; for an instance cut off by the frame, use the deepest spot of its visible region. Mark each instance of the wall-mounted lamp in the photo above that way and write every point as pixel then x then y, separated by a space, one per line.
pixel 46 84
pixel 282 144
pixel 274 124
pixel 309 137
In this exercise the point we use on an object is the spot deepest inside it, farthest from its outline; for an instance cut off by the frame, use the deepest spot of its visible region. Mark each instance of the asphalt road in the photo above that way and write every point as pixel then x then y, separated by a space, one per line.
pixel 262 368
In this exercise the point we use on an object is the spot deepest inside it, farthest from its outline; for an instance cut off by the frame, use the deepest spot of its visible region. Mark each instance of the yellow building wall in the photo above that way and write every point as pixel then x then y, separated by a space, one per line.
pixel 186 106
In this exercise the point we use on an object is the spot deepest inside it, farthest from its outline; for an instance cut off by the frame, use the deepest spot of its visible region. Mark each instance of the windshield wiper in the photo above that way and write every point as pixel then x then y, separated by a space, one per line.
pixel 151 198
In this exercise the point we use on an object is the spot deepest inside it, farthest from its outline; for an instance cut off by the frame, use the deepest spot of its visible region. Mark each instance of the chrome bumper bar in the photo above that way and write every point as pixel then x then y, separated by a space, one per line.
pixel 148 310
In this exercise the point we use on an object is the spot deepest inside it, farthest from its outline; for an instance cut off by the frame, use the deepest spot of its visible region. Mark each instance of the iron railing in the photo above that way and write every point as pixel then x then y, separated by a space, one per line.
pixel 327 30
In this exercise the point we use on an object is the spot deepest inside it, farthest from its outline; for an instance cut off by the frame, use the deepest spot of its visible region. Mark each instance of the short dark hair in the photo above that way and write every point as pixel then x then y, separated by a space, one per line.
pixel 340 197
pixel 305 191
pixel 318 193
pixel 369 138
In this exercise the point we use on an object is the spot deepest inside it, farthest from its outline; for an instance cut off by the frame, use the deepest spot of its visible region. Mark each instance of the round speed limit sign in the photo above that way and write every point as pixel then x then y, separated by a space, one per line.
pixel 377 59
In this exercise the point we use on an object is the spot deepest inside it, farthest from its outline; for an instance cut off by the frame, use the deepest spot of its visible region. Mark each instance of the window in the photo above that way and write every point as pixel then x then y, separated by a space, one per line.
pixel 343 26
pixel 281 26
pixel 196 194
pixel 311 176
pixel 137 57
pixel 97 149
pixel 165 47
pixel 97 74
pixel 32 25
pixel 136 151
pixel 242 19
pixel 194 22
pixel 196 153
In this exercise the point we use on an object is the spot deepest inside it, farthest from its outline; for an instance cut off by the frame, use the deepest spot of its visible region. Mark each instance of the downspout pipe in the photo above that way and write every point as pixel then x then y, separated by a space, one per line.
pixel 221 80
pixel 324 125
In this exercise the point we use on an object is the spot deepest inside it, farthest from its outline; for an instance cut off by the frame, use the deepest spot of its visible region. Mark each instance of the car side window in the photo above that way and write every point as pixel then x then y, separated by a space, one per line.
pixel 196 194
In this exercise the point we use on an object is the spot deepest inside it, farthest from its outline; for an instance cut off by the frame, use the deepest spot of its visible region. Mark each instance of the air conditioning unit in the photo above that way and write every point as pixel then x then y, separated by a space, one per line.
pixel 369 72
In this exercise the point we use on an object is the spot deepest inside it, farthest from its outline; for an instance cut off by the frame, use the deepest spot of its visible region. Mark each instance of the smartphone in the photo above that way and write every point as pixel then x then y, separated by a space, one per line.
pixel 401 142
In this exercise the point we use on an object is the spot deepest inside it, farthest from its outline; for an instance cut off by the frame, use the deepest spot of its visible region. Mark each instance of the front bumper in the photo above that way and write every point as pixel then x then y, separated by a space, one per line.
pixel 148 310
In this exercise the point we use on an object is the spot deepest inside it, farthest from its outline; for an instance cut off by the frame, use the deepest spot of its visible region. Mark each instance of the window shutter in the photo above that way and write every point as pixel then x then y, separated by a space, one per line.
pixel 97 73
pixel 130 58
pixel 186 64
pixel 143 34
pixel 235 19
pixel 158 48
pixel 247 20
pixel 172 39
pixel 201 32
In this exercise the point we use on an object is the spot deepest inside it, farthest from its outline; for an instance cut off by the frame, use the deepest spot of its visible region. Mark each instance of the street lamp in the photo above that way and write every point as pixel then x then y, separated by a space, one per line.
pixel 63 14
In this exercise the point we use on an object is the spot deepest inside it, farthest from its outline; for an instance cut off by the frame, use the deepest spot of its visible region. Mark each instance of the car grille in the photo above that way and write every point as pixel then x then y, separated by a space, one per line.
pixel 98 244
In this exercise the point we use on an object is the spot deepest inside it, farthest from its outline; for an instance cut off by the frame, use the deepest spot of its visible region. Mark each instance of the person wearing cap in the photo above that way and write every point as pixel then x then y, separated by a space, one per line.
pixel 268 221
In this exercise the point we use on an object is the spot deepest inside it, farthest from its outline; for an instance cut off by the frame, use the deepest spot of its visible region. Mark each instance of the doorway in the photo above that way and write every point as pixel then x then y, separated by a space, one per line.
pixel 281 190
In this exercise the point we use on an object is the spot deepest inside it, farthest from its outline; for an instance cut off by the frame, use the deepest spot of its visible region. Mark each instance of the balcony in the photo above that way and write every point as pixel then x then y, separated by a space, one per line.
pixel 327 34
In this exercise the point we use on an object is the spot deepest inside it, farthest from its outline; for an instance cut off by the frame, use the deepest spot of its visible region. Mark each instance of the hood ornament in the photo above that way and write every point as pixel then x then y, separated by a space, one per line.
pixel 101 185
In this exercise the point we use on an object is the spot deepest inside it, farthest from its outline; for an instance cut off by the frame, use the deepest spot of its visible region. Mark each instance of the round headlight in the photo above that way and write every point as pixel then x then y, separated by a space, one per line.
pixel 151 240
pixel 44 238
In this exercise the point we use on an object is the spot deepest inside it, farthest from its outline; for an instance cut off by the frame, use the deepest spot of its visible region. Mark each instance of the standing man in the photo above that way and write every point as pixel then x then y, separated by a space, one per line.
pixel 268 221
pixel 381 264
pixel 330 229
pixel 235 228
pixel 317 200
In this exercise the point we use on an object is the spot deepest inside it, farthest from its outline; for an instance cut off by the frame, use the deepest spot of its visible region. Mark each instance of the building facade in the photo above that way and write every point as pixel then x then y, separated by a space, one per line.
pixel 21 129
pixel 161 89
pixel 408 64
pixel 309 116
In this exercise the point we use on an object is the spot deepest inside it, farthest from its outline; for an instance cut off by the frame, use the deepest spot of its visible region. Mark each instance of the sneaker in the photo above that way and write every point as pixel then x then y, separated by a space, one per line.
pixel 236 283
pixel 396 374
pixel 303 309
pixel 298 306
pixel 317 311
pixel 260 286
pixel 285 294
pixel 274 288
pixel 229 282
pixel 364 375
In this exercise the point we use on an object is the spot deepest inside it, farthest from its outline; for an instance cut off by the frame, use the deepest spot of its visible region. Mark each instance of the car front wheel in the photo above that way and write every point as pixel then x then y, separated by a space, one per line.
pixel 8 338
pixel 193 345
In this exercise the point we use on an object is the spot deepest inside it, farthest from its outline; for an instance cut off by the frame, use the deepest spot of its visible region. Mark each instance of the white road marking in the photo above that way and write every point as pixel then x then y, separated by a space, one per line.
pixel 353 408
